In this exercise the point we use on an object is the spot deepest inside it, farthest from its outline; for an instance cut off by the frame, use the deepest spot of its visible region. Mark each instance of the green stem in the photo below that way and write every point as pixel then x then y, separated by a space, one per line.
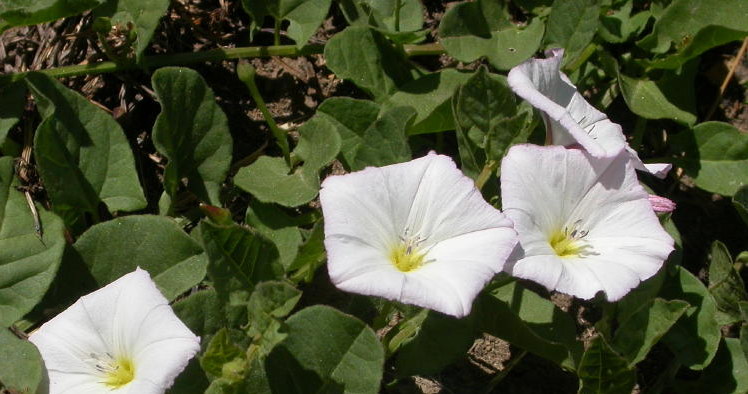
pixel 246 73
pixel 276 33
pixel 485 174
pixel 398 5
pixel 581 59
pixel 213 55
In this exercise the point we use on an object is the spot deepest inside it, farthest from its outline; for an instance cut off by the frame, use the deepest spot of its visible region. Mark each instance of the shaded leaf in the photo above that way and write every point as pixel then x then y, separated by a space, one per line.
pixel 201 312
pixel 430 95
pixel 20 364
pixel 572 24
pixel 740 202
pixel 326 351
pixel 602 371
pixel 440 341
pixel 471 30
pixel 192 132
pixel 639 332
pixel 277 226
pixel 664 99
pixel 156 244
pixel 716 156
pixel 725 284
pixel 694 338
pixel 271 180
pixel 678 23
pixel 144 14
pixel 366 58
pixel 82 154
pixel 369 136
pixel 28 263
pixel 524 319
pixel 706 38
pixel 728 373
pixel 22 12
pixel 12 104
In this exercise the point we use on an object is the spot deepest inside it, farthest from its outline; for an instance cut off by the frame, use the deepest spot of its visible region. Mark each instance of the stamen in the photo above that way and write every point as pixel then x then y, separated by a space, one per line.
pixel 570 242
pixel 407 255
pixel 115 372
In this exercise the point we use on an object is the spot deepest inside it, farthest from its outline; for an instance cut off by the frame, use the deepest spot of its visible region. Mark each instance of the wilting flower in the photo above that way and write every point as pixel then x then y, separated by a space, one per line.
pixel 569 119
pixel 584 224
pixel 122 338
pixel 417 232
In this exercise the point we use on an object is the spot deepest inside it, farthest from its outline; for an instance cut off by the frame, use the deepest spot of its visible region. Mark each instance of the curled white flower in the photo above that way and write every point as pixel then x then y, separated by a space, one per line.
pixel 569 119
pixel 416 232
pixel 122 338
pixel 584 224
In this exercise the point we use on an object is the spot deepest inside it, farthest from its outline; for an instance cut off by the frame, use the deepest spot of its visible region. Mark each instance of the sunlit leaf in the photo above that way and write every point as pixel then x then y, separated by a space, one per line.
pixel 22 12
pixel 192 132
pixel 175 261
pixel 144 14
pixel 572 25
pixel 20 364
pixel 28 263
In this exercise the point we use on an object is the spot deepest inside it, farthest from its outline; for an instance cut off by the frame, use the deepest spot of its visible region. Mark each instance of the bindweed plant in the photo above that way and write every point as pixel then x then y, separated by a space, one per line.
pixel 484 196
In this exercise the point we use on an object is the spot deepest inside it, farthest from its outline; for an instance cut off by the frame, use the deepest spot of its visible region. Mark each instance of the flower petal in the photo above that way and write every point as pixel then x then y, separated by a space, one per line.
pixel 547 189
pixel 569 118
pixel 429 203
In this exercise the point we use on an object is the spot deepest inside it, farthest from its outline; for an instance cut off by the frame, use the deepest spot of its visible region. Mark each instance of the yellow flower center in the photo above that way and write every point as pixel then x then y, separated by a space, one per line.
pixel 116 373
pixel 406 258
pixel 406 255
pixel 569 243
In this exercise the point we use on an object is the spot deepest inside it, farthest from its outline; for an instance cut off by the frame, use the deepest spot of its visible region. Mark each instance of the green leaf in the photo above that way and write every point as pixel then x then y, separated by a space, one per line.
pixel 636 335
pixel 156 244
pixel 707 38
pixel 430 95
pixel 619 26
pixel 664 99
pixel 440 341
pixel 602 371
pixel 311 254
pixel 306 19
pixel 82 154
pixel 471 30
pixel 144 14
pixel 326 351
pixel 684 18
pixel 571 25
pixel 192 132
pixel 382 14
pixel 725 284
pixel 370 136
pixel 366 58
pixel 277 226
pixel 268 304
pixel 221 351
pixel 716 156
pixel 20 364
pixel 727 374
pixel 12 104
pixel 695 337
pixel 28 263
pixel 740 202
pixel 23 12
pixel 271 180
pixel 524 319
pixel 488 121
pixel 201 312
pixel 239 259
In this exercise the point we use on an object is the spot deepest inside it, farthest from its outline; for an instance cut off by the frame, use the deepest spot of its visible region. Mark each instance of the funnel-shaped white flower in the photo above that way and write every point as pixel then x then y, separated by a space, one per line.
pixel 584 224
pixel 122 338
pixel 569 118
pixel 416 232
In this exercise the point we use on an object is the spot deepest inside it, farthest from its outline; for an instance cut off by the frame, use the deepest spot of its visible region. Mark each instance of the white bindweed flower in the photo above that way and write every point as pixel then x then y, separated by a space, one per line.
pixel 584 224
pixel 416 232
pixel 569 119
pixel 122 338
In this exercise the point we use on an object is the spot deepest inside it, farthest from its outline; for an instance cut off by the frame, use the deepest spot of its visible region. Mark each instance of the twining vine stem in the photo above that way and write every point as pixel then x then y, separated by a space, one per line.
pixel 212 55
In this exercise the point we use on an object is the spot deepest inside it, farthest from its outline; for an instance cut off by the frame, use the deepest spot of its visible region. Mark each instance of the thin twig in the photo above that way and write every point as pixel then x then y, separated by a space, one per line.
pixel 728 77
